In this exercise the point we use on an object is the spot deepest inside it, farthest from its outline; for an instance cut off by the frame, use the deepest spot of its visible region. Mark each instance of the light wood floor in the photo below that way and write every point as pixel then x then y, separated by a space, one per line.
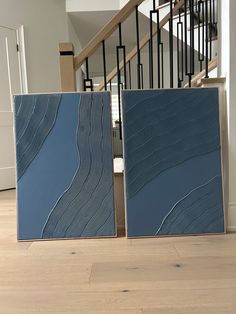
pixel 190 275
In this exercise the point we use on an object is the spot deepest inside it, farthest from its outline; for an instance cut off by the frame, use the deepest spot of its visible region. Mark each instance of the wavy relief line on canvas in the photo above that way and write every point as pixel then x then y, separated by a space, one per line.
pixel 172 146
pixel 91 189
pixel 66 190
pixel 166 138
pixel 34 121
pixel 202 209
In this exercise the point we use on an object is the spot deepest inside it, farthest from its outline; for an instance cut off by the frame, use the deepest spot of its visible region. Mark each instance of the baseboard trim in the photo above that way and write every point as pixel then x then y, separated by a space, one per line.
pixel 231 219
pixel 7 178
pixel 231 229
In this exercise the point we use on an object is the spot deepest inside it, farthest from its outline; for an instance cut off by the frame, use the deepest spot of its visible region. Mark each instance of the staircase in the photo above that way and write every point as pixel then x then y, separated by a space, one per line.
pixel 178 49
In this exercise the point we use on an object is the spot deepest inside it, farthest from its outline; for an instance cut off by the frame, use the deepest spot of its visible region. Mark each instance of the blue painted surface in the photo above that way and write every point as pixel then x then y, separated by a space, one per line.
pixel 34 120
pixel 86 209
pixel 172 146
pixel 200 209
pixel 159 196
pixel 53 169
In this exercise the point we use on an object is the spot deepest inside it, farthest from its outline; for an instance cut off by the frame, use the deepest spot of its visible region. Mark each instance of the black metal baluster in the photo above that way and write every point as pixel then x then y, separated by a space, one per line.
pixel 186 41
pixel 138 49
pixel 161 44
pixel 151 47
pixel 104 64
pixel 130 77
pixel 162 64
pixel 141 72
pixel 118 48
pixel 180 51
pixel 214 15
pixel 110 84
pixel 151 66
pixel 150 63
pixel 171 46
pixel 139 64
pixel 207 46
pixel 196 6
pixel 192 70
pixel 88 83
pixel 158 50
pixel 87 68
pixel 118 88
pixel 120 35
pixel 189 60
pixel 210 28
pixel 122 47
pixel 201 32
pixel 119 79
pixel 151 56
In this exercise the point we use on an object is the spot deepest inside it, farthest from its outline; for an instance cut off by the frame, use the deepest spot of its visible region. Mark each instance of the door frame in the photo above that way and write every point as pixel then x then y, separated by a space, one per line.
pixel 6 116
pixel 20 35
pixel 20 38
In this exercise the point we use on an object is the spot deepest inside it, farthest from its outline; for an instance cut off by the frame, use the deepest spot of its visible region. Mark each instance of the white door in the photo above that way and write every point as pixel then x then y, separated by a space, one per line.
pixel 9 84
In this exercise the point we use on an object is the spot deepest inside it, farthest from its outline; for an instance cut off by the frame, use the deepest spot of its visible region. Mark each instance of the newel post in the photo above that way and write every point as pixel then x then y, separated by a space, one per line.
pixel 67 70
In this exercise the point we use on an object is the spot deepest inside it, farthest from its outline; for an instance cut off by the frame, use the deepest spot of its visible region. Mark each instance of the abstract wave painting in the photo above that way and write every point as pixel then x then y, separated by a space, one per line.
pixel 64 166
pixel 172 155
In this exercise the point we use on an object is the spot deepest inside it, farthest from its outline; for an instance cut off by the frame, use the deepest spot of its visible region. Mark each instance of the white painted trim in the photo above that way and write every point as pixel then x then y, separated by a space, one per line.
pixel 20 37
pixel 8 178
pixel 22 59
pixel 9 72
pixel 231 227
pixel 8 27
pixel 6 168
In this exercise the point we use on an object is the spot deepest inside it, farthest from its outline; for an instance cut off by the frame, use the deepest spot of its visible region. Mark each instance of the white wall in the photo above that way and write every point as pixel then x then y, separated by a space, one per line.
pixel 123 2
pixel 45 24
pixel 232 116
pixel 92 5
pixel 73 38
pixel 227 49
pixel 227 69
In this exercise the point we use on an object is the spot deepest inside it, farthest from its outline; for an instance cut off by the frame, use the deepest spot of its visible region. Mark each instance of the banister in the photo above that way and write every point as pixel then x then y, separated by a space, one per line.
pixel 195 80
pixel 143 42
pixel 105 32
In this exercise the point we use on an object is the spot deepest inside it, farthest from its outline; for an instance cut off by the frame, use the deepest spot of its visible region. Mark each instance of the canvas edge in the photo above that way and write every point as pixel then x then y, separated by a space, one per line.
pixel 222 125
pixel 112 156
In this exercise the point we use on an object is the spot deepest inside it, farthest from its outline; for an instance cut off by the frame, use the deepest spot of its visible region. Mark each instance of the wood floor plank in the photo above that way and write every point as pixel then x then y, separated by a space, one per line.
pixel 217 246
pixel 170 285
pixel 176 269
pixel 182 275
pixel 70 299
pixel 228 309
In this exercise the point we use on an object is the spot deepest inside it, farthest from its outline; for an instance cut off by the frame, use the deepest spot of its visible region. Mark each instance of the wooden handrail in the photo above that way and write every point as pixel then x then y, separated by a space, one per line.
pixel 143 42
pixel 105 32
pixel 197 78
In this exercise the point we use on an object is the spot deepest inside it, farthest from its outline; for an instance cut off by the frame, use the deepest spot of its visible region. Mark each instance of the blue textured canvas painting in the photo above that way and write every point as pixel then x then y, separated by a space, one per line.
pixel 64 166
pixel 172 157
